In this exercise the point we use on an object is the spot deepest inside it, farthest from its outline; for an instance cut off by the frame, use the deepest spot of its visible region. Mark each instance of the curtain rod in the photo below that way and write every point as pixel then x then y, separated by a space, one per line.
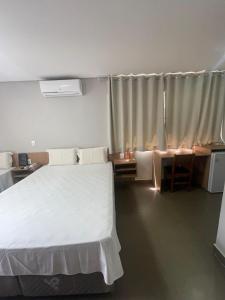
pixel 168 74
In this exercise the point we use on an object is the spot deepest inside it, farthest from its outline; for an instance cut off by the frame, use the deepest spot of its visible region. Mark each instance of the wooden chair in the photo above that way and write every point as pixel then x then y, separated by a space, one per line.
pixel 181 170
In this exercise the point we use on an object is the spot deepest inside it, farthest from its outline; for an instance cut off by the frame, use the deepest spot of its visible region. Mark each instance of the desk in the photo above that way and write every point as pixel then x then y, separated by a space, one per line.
pixel 164 158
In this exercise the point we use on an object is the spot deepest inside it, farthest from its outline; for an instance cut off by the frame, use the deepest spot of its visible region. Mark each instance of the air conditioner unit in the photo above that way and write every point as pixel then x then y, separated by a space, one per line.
pixel 61 88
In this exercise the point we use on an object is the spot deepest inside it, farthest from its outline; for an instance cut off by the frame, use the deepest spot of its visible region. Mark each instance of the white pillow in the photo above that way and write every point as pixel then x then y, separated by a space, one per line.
pixel 5 160
pixel 92 155
pixel 62 156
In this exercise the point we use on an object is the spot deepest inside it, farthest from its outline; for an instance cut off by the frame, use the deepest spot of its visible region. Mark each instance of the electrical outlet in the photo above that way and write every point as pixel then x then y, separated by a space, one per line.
pixel 33 143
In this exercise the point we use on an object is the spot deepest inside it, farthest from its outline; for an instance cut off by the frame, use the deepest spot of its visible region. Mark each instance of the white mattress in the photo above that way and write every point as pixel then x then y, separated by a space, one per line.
pixel 5 179
pixel 60 220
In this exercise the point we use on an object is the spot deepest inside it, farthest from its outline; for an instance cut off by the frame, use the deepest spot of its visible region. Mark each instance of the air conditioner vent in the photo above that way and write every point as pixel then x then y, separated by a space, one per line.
pixel 61 88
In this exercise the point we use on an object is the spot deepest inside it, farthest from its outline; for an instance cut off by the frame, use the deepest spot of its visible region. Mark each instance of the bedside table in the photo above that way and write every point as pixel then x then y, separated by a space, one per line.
pixel 20 173
pixel 124 169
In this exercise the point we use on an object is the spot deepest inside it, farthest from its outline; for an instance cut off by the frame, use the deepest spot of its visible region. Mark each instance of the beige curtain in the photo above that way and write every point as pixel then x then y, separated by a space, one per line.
pixel 212 110
pixel 137 112
pixel 194 110
pixel 183 107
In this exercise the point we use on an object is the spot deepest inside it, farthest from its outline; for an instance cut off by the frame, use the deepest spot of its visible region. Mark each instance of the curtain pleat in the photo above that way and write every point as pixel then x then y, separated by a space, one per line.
pixel 212 109
pixel 137 113
pixel 183 107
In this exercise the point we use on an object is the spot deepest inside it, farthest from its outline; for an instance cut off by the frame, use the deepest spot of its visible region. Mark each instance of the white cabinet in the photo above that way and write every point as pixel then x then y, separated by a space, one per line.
pixel 217 172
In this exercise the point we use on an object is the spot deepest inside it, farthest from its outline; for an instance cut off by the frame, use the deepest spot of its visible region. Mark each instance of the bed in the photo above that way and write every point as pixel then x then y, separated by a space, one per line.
pixel 58 234
pixel 6 179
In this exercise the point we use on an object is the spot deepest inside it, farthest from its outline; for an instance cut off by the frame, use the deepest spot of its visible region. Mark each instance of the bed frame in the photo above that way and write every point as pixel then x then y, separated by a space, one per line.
pixel 43 159
pixel 36 157
pixel 37 286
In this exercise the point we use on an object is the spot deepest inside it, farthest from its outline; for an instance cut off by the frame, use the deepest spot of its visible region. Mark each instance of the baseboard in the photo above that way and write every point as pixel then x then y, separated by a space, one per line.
pixel 218 254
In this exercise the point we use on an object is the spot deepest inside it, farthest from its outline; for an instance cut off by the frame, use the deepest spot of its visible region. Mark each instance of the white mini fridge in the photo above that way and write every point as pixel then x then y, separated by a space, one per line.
pixel 217 172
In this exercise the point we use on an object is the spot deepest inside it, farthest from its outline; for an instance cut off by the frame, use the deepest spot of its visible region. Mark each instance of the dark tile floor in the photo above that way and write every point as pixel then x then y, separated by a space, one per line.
pixel 167 245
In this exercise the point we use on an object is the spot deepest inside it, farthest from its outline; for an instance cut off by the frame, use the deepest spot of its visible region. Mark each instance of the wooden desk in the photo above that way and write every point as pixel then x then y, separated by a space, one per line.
pixel 164 158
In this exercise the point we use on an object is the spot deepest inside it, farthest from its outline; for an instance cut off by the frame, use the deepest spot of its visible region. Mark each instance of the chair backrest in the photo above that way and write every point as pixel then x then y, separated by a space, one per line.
pixel 184 160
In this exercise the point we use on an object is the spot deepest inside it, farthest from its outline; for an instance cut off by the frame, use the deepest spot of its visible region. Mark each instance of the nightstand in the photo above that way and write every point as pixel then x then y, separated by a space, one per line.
pixel 20 173
pixel 124 169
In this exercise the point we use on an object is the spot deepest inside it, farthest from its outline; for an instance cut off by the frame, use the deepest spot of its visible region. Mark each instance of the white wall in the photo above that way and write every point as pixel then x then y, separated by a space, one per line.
pixel 26 115
pixel 220 241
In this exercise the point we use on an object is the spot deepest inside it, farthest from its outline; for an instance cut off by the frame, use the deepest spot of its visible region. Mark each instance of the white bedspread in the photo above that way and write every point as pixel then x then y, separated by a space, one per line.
pixel 5 179
pixel 60 220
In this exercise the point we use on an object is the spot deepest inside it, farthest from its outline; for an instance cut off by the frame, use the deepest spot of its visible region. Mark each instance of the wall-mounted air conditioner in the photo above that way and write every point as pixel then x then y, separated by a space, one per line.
pixel 61 88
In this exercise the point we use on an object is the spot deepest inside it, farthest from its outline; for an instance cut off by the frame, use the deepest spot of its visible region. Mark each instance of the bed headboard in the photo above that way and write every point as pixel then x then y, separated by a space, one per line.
pixel 36 157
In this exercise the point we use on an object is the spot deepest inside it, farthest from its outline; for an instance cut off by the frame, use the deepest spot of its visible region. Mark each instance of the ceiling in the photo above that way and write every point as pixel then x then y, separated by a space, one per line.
pixel 42 39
